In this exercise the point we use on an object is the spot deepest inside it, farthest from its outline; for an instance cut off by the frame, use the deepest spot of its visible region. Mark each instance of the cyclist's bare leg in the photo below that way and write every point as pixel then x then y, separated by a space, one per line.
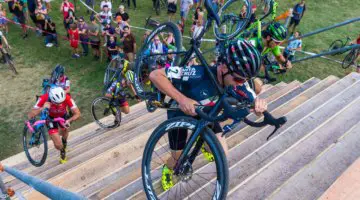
pixel 223 143
pixel 64 133
pixel 57 141
pixel 171 162
pixel 258 85
pixel 125 109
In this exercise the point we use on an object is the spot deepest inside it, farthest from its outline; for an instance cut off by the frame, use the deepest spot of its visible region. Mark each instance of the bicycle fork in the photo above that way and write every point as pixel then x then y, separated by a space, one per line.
pixel 184 164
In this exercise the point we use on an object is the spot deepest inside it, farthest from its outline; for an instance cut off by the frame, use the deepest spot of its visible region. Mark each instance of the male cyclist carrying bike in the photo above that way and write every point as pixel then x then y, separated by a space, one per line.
pixel 192 85
pixel 116 90
pixel 268 41
pixel 55 104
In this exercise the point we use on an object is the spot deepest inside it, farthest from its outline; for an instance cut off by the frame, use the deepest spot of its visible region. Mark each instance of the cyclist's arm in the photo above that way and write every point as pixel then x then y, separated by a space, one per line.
pixel 280 58
pixel 76 114
pixel 37 110
pixel 160 80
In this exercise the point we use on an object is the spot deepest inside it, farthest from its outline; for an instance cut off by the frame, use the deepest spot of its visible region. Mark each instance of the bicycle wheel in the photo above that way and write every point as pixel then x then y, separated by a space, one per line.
pixel 105 113
pixel 231 22
pixel 349 59
pixel 157 7
pixel 35 146
pixel 189 182
pixel 337 44
pixel 11 64
pixel 146 61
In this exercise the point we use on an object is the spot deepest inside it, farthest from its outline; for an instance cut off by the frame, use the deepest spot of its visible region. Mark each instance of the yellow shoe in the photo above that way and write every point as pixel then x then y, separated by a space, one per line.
pixel 166 178
pixel 63 158
pixel 208 155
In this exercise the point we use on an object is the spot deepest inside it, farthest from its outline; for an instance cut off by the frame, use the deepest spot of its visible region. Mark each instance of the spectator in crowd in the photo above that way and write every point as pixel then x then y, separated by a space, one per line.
pixel 106 2
pixel 129 43
pixel 243 12
pixel 287 15
pixel 196 30
pixel 124 16
pixel 71 19
pixel 25 10
pixel 48 5
pixel 198 16
pixel 94 35
pixel 111 48
pixel 293 46
pixel 185 6
pixel 84 37
pixel 252 16
pixel 41 14
pixel 121 24
pixel 108 31
pixel 169 41
pixel 51 36
pixel 3 22
pixel 266 6
pixel 298 12
pixel 31 10
pixel 65 7
pixel 104 16
pixel 146 34
pixel 17 8
pixel 157 46
pixel 91 4
pixel 74 40
pixel 180 26
pixel 134 3
pixel 172 8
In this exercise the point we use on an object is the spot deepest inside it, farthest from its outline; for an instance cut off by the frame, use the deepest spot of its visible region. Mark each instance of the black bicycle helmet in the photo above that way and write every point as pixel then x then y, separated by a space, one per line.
pixel 277 31
pixel 59 70
pixel 243 59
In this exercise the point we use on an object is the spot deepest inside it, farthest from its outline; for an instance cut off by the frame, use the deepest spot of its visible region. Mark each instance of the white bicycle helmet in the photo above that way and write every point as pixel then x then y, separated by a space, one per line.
pixel 57 95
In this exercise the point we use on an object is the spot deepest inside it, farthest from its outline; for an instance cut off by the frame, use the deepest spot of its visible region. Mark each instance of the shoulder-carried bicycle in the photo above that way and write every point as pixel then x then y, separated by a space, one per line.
pixel 189 172
pixel 35 138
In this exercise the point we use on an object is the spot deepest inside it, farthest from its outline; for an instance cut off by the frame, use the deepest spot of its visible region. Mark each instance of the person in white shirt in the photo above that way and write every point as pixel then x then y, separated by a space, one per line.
pixel 106 2
pixel 185 6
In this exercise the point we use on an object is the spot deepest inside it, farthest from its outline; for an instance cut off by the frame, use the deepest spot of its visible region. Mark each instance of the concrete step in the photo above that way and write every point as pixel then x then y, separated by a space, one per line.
pixel 122 176
pixel 346 187
pixel 96 146
pixel 314 179
pixel 77 136
pixel 294 90
pixel 276 172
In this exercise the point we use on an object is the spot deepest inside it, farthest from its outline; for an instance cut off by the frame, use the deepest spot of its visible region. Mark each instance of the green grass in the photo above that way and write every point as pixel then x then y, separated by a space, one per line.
pixel 34 61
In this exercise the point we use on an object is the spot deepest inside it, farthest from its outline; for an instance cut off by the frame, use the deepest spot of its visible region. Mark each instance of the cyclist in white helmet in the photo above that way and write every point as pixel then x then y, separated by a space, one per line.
pixel 56 103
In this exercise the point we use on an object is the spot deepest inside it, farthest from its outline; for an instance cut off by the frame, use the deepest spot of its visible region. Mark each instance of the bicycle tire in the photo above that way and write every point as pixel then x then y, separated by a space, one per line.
pixel 28 150
pixel 222 173
pixel 337 44
pixel 10 63
pixel 101 120
pixel 240 26
pixel 157 7
pixel 141 63
pixel 349 59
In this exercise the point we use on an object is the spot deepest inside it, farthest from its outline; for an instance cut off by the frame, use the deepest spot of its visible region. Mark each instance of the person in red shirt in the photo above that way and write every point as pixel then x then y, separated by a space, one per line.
pixel 64 8
pixel 74 40
pixel 57 103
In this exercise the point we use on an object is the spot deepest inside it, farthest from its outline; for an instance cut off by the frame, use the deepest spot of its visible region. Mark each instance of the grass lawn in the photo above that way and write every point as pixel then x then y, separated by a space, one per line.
pixel 34 61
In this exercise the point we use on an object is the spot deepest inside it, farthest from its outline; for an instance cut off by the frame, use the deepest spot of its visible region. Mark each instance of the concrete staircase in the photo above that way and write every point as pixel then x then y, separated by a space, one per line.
pixel 306 156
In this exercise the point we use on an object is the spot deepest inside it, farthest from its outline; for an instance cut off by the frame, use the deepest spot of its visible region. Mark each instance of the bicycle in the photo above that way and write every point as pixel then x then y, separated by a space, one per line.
pixel 350 58
pixel 159 4
pixel 35 139
pixel 198 132
pixel 338 44
pixel 106 112
pixel 8 59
